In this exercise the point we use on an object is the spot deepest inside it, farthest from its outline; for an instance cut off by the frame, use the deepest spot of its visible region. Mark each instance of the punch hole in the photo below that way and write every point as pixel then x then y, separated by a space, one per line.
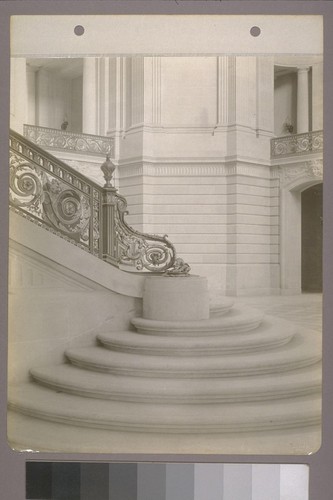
pixel 255 31
pixel 79 30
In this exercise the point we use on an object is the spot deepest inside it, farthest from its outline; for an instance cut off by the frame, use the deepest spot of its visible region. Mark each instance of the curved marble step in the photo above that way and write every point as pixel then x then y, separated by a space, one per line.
pixel 271 333
pixel 73 380
pixel 234 321
pixel 302 350
pixel 40 402
pixel 220 306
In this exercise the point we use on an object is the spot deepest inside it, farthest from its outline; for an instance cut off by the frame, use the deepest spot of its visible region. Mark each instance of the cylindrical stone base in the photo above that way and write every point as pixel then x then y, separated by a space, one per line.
pixel 182 298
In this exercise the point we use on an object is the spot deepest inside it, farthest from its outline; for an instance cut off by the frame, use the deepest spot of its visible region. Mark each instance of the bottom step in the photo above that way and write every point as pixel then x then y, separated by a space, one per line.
pixel 288 413
pixel 27 433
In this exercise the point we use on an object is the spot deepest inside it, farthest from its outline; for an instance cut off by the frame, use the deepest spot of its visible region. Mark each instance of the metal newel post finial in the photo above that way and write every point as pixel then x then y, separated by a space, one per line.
pixel 108 168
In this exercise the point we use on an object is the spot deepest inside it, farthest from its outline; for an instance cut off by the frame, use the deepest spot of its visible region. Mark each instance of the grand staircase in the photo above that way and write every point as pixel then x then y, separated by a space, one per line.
pixel 186 377
pixel 238 372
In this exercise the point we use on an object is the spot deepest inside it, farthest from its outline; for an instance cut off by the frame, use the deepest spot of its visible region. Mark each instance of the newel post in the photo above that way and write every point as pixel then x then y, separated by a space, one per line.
pixel 109 205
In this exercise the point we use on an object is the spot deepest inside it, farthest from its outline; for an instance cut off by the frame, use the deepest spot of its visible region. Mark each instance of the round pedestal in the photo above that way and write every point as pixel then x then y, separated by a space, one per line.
pixel 182 298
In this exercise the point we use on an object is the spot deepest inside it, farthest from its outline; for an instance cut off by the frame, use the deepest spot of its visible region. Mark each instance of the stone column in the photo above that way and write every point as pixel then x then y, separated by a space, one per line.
pixel 89 97
pixel 317 96
pixel 302 100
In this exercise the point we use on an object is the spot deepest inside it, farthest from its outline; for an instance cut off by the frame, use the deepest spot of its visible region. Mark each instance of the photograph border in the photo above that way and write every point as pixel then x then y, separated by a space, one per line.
pixel 12 464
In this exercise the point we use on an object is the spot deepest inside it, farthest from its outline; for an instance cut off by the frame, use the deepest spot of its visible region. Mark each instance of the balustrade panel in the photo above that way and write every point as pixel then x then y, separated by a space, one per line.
pixel 51 194
pixel 50 138
pixel 54 196
pixel 297 144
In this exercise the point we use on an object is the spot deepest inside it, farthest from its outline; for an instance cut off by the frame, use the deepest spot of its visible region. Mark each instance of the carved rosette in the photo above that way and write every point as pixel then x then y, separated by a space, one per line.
pixel 48 199
pixel 66 209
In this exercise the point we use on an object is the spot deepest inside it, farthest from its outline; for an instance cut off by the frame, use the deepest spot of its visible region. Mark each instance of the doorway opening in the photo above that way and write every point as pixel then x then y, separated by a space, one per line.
pixel 312 239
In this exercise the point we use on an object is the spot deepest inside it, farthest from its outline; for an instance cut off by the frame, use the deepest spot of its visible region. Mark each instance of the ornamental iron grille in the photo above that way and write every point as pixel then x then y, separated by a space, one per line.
pixel 50 138
pixel 54 196
pixel 297 144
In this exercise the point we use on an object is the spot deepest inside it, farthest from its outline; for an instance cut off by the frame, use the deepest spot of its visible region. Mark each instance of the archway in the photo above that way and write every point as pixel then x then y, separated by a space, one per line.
pixel 312 237
pixel 295 243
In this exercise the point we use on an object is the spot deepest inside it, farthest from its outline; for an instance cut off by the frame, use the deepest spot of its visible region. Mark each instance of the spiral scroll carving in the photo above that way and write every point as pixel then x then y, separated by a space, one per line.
pixel 26 185
pixel 146 251
pixel 53 196
pixel 297 144
pixel 66 209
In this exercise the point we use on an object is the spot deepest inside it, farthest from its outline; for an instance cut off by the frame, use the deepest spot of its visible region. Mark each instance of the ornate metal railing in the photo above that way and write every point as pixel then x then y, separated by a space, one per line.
pixel 297 144
pixel 50 138
pixel 51 194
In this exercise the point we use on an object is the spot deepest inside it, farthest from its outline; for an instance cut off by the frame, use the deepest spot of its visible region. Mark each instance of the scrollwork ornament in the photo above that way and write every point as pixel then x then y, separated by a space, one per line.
pixel 66 209
pixel 26 185
pixel 180 268
pixel 62 139
pixel 151 252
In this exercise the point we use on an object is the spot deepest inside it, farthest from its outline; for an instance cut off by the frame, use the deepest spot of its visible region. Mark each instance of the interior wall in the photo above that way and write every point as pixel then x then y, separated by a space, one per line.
pixel 75 111
pixel 189 91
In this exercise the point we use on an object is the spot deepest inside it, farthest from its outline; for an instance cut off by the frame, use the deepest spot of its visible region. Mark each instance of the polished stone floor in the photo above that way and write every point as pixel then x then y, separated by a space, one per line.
pixel 304 310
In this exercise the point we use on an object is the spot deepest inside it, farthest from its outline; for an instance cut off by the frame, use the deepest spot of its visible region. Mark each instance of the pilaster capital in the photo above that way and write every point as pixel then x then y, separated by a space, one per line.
pixel 303 69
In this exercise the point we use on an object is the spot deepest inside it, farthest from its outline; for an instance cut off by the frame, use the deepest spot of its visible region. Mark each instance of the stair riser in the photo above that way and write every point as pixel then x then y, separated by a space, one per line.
pixel 193 351
pixel 195 372
pixel 217 398
pixel 202 427
pixel 187 332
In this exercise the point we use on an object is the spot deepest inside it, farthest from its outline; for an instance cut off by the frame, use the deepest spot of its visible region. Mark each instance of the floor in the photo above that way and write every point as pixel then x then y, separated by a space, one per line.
pixel 304 310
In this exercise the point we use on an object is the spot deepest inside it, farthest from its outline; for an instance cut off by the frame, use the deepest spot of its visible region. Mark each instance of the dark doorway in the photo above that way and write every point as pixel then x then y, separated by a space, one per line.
pixel 312 239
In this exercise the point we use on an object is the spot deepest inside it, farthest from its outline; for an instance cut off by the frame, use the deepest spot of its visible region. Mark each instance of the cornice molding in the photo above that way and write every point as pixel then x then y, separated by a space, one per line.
pixel 198 170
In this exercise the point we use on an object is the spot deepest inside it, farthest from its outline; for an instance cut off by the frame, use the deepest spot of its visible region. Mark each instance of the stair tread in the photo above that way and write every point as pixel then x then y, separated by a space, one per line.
pixel 237 319
pixel 303 349
pixel 72 379
pixel 27 433
pixel 271 332
pixel 34 400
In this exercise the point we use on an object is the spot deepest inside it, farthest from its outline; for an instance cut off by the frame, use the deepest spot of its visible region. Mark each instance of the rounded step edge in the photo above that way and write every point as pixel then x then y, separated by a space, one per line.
pixel 302 350
pixel 72 380
pixel 271 333
pixel 235 321
pixel 39 402
pixel 220 306
pixel 26 434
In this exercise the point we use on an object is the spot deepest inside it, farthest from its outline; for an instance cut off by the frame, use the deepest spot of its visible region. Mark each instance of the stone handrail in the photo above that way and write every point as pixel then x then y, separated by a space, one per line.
pixel 50 138
pixel 297 144
pixel 56 197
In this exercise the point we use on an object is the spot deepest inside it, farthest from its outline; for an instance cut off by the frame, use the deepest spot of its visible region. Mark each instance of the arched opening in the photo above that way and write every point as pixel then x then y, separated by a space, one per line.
pixel 312 237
